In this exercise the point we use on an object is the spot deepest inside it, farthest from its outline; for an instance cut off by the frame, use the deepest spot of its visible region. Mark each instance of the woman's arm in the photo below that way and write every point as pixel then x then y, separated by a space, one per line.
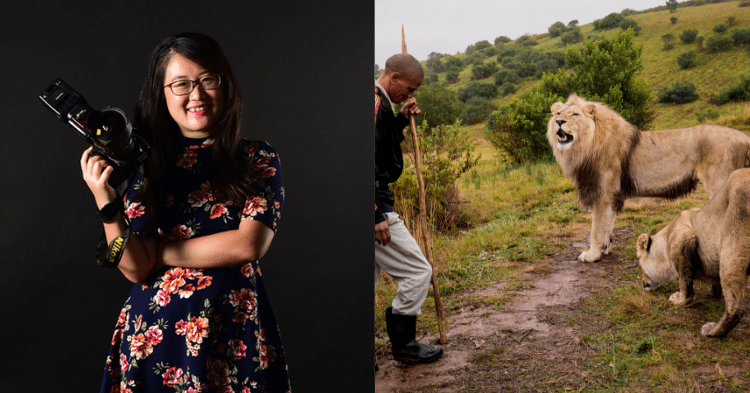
pixel 138 259
pixel 228 248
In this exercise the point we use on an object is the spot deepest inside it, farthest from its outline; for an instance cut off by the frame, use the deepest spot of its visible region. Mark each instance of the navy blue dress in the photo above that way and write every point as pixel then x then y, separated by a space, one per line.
pixel 201 330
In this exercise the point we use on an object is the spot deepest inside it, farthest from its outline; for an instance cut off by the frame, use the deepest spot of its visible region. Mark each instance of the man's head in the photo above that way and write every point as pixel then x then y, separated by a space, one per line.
pixel 402 77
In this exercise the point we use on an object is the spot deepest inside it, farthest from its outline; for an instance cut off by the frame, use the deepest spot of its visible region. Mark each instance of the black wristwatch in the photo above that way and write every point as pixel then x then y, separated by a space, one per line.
pixel 108 213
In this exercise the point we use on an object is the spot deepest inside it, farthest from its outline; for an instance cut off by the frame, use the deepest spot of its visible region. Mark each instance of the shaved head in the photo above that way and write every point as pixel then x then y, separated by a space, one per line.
pixel 404 64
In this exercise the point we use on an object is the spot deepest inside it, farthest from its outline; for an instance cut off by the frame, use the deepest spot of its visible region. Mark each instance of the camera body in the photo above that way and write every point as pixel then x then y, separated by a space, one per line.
pixel 107 130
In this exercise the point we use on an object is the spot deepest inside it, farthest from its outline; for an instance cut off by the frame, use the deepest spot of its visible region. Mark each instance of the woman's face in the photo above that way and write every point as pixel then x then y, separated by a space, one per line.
pixel 196 113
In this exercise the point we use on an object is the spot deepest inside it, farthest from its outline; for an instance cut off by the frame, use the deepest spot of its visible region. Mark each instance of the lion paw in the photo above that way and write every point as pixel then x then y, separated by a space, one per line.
pixel 678 299
pixel 707 328
pixel 606 247
pixel 588 257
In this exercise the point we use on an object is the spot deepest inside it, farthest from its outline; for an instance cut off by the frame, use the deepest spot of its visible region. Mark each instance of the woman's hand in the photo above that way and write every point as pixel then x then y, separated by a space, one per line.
pixel 96 171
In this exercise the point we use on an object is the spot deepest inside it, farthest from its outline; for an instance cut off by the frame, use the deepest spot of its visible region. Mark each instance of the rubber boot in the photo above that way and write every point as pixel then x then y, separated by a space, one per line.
pixel 402 330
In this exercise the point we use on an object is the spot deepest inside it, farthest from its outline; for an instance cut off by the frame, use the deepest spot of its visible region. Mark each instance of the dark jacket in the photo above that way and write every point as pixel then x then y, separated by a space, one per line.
pixel 389 161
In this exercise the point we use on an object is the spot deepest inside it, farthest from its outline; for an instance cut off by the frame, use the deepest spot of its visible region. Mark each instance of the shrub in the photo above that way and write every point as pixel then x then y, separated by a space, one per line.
pixel 504 51
pixel 507 89
pixel 744 4
pixel 721 28
pixel 482 45
pixel 673 20
pixel 502 40
pixel 505 76
pixel 526 41
pixel 686 60
pixel 452 75
pixel 708 114
pixel 731 21
pixel 470 49
pixel 452 62
pixel 679 93
pixel 431 77
pixel 477 89
pixel 668 40
pixel 740 91
pixel 520 131
pixel 688 36
pixel 609 22
pixel 557 29
pixel 572 36
pixel 489 52
pixel 718 43
pixel 438 104
pixel 630 24
pixel 741 37
pixel 475 111
pixel 484 70
pixel 573 23
pixel 447 152
pixel 699 42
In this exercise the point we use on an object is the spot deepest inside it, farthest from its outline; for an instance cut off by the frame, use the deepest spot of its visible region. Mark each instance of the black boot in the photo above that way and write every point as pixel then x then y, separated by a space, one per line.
pixel 402 330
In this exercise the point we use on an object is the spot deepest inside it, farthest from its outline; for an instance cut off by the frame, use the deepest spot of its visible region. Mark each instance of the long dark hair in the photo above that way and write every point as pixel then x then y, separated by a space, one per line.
pixel 230 173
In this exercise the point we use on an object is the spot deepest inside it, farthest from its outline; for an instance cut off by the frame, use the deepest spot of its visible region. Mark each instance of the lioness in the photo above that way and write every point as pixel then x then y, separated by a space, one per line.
pixel 609 160
pixel 710 244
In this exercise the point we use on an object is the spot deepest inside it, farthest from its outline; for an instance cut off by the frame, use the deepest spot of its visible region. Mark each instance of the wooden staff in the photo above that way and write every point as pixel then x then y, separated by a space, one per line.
pixel 426 230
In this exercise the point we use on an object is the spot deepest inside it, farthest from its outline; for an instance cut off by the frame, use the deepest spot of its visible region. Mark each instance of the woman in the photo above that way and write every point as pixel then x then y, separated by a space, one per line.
pixel 205 210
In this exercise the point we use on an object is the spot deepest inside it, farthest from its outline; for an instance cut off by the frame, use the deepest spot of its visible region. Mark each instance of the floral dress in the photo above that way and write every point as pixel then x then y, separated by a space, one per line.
pixel 201 330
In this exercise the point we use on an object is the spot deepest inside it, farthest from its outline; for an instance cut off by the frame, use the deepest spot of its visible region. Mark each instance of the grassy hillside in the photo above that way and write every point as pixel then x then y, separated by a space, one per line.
pixel 712 72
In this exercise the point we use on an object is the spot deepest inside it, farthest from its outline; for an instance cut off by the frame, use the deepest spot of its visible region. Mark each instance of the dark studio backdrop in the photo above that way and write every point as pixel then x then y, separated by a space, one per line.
pixel 305 70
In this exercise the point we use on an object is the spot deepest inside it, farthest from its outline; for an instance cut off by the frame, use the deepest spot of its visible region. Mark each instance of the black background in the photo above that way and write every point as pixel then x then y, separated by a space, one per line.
pixel 305 70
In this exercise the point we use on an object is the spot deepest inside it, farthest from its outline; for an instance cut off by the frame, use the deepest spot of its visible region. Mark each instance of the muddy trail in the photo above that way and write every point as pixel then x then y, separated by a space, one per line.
pixel 533 342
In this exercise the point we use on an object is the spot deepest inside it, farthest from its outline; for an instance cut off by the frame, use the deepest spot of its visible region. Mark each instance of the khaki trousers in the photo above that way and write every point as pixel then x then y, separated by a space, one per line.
pixel 402 259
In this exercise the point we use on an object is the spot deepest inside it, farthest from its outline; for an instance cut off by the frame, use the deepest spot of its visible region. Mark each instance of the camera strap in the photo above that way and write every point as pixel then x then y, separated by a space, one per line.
pixel 110 255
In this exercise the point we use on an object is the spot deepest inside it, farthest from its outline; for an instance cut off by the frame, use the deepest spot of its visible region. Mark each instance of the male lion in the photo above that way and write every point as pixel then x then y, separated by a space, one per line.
pixel 710 244
pixel 609 160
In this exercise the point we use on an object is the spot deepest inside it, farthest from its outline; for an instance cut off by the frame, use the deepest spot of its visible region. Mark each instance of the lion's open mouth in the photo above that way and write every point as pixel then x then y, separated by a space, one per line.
pixel 563 137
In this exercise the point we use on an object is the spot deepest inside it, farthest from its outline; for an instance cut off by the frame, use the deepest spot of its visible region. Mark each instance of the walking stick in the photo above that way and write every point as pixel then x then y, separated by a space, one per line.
pixel 426 231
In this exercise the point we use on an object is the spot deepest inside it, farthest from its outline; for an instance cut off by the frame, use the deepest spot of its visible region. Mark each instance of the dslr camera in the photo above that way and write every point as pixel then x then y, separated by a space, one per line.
pixel 108 130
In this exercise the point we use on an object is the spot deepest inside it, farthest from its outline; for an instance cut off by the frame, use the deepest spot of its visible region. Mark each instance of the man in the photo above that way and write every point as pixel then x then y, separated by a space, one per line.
pixel 396 251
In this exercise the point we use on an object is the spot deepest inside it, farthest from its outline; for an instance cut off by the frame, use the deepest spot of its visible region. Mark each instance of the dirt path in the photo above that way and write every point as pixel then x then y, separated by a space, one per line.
pixel 529 338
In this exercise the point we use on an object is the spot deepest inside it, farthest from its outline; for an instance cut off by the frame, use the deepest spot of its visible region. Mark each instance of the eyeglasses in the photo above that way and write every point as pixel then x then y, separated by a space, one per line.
pixel 185 86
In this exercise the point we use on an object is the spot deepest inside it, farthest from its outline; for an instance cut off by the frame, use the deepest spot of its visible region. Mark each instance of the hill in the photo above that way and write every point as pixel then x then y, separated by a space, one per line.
pixel 711 73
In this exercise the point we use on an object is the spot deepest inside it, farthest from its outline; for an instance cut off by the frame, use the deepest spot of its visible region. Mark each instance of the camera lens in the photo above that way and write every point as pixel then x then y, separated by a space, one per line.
pixel 112 132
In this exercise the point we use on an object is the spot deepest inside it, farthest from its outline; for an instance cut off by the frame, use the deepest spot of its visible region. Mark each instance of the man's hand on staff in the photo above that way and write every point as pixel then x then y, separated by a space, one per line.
pixel 382 233
pixel 410 108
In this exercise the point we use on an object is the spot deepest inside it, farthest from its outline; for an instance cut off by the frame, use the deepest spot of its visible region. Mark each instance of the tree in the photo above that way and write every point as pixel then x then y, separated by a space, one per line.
pixel 477 89
pixel 557 29
pixel 668 40
pixel 687 59
pixel 609 22
pixel 673 20
pixel 572 36
pixel 573 23
pixel 434 62
pixel 688 36
pixel 672 5
pixel 526 40
pixel 377 70
pixel 438 104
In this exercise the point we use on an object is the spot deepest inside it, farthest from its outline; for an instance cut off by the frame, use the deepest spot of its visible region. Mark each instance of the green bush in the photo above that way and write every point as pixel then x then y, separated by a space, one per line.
pixel 502 40
pixel 687 59
pixel 447 152
pixel 484 70
pixel 708 114
pixel 489 52
pixel 741 37
pixel 452 62
pixel 557 29
pixel 505 76
pixel 630 24
pixel 699 42
pixel 477 89
pixel 672 5
pixel 452 75
pixel 526 41
pixel 673 20
pixel 744 4
pixel 609 22
pixel 520 131
pixel 572 36
pixel 688 36
pixel 507 89
pixel 718 43
pixel 475 111
pixel 482 45
pixel 740 91
pixel 504 51
pixel 721 28
pixel 679 93
pixel 668 40
pixel 438 104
